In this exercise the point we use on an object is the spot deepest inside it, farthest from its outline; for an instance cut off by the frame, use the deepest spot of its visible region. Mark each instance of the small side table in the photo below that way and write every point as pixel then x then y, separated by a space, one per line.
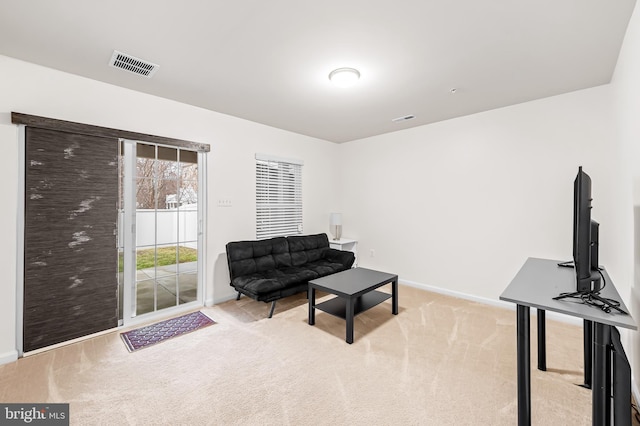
pixel 347 245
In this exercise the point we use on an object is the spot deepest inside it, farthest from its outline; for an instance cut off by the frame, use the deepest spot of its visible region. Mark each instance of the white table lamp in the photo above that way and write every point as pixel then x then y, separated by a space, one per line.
pixel 335 225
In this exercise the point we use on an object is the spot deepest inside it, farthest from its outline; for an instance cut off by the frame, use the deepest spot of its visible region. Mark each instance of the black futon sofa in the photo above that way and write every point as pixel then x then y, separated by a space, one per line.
pixel 268 270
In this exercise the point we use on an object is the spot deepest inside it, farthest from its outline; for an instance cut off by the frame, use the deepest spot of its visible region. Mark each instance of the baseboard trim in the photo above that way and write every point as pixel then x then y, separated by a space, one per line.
pixel 8 357
pixel 213 301
pixel 486 301
pixel 460 295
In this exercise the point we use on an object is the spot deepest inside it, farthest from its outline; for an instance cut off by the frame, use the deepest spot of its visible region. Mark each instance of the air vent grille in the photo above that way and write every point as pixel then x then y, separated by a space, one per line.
pixel 132 64
pixel 406 117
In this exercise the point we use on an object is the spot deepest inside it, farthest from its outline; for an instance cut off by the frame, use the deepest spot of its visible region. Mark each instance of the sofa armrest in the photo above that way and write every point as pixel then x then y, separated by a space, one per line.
pixel 343 257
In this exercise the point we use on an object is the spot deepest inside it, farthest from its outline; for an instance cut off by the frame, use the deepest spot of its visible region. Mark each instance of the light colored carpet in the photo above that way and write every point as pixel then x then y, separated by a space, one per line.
pixel 440 361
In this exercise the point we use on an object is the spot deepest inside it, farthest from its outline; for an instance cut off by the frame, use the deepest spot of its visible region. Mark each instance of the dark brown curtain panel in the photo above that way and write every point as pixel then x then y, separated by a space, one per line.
pixel 71 264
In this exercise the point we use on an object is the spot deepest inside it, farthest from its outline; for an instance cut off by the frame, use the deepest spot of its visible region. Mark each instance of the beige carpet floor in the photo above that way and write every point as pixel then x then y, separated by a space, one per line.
pixel 440 361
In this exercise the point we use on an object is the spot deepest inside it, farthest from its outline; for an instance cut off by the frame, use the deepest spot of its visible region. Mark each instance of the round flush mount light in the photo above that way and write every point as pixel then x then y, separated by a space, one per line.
pixel 344 77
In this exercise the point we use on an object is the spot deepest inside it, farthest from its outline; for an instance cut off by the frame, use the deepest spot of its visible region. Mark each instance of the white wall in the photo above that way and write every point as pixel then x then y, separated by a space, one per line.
pixel 462 203
pixel 36 90
pixel 626 90
pixel 459 205
pixel 8 252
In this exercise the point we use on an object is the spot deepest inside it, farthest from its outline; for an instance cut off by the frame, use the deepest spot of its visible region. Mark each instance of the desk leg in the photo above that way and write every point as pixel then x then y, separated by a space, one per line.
pixel 601 390
pixel 349 317
pixel 312 303
pixel 587 343
pixel 394 297
pixel 542 340
pixel 524 366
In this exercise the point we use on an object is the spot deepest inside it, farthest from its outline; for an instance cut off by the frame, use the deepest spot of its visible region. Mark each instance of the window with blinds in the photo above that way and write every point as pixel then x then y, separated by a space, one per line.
pixel 278 197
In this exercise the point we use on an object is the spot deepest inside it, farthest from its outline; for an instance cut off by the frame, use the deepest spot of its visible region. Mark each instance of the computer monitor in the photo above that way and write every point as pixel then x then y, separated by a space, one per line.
pixel 585 237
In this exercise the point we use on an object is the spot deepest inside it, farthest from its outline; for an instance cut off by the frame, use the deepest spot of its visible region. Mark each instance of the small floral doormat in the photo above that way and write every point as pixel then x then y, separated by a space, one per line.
pixel 164 330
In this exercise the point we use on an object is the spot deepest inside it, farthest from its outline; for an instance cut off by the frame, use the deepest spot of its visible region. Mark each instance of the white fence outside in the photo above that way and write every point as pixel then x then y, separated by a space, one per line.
pixel 174 227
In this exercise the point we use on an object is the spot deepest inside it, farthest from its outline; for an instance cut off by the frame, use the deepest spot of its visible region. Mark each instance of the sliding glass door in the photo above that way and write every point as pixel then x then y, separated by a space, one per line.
pixel 112 229
pixel 161 227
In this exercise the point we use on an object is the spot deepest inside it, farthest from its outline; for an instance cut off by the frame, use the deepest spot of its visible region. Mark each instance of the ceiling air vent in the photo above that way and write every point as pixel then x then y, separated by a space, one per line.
pixel 133 64
pixel 406 117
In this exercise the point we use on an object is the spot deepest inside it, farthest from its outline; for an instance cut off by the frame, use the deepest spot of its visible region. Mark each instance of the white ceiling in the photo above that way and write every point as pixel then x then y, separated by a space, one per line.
pixel 268 61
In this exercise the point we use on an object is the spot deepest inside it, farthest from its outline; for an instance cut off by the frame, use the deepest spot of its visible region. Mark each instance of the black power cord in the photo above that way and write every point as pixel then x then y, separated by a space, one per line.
pixel 592 298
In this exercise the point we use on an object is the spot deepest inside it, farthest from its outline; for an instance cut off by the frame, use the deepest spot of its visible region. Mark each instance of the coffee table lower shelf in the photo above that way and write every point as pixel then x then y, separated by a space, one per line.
pixel 338 305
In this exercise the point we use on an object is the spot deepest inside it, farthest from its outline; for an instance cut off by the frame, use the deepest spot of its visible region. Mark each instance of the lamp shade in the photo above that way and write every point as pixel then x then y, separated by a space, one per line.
pixel 335 219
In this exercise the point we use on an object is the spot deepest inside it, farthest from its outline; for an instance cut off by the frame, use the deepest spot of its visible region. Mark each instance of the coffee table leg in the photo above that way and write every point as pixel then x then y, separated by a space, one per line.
pixel 394 297
pixel 349 317
pixel 312 303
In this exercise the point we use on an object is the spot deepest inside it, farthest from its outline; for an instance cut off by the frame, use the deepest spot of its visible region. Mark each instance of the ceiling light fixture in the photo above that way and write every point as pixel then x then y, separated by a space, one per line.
pixel 344 77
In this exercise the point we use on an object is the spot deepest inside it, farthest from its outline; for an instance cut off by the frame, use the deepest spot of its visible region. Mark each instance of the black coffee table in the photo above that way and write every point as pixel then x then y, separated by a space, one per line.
pixel 355 291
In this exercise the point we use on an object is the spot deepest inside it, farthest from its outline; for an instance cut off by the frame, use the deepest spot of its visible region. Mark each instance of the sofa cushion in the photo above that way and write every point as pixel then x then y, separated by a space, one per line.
pixel 307 248
pixel 250 257
pixel 324 267
pixel 261 284
pixel 257 286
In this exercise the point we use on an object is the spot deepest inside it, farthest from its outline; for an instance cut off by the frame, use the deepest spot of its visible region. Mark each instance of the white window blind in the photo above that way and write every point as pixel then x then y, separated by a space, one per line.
pixel 278 197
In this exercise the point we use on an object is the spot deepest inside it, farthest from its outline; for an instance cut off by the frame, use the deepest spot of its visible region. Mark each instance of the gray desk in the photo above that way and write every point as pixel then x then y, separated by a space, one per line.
pixel 535 285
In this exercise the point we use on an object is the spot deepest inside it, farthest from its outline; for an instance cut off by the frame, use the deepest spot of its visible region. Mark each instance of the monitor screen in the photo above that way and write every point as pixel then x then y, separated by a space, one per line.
pixel 585 236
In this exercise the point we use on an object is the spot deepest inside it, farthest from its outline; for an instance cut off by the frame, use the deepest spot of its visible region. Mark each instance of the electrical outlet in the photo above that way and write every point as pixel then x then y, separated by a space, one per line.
pixel 224 202
pixel 372 253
